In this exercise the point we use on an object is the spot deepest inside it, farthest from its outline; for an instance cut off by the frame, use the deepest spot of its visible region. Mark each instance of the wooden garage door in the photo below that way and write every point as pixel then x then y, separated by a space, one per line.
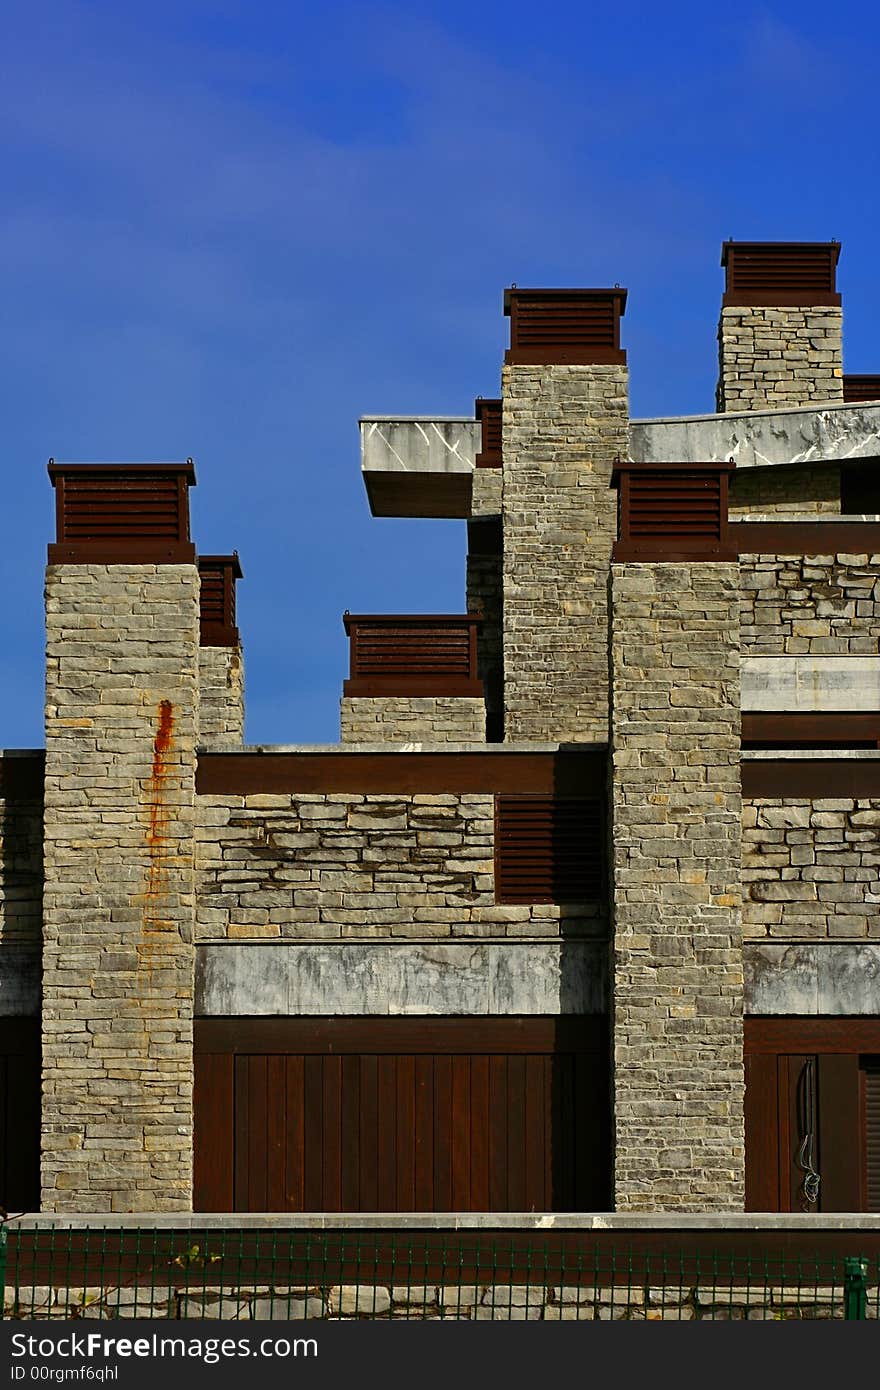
pixel 401 1115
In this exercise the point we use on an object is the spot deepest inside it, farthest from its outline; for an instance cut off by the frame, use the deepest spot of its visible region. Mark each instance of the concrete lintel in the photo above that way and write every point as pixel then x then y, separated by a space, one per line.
pixel 382 979
pixel 361 749
pixel 809 979
pixel 811 684
pixel 673 1222
pixel 758 438
pixel 809 755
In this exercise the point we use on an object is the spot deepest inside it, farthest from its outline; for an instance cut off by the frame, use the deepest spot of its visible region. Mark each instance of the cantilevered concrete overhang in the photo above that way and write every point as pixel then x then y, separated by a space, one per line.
pixel 419 465
pixel 758 438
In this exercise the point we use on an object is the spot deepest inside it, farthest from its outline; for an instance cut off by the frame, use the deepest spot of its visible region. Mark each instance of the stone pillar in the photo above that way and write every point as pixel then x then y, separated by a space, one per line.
pixel 780 335
pixel 677 936
pixel 221 667
pixel 565 422
pixel 119 904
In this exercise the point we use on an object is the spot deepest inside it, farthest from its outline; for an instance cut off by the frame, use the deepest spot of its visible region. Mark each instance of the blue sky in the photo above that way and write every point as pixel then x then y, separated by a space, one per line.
pixel 229 229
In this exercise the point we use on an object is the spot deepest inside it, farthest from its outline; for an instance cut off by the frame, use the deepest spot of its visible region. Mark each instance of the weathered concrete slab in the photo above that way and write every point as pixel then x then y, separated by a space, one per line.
pixel 824 978
pixel 419 466
pixel 810 684
pixel 754 439
pixel 390 978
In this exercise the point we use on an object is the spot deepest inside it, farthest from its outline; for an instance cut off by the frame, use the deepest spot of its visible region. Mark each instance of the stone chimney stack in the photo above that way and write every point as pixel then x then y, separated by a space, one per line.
pixel 122 657
pixel 565 417
pixel 780 332
pixel 221 673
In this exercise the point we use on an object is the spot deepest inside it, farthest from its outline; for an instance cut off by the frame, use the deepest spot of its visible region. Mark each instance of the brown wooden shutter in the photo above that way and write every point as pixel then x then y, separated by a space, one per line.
pixel 780 272
pixel 564 326
pixel 860 387
pixel 489 413
pixel 871 1122
pixel 548 849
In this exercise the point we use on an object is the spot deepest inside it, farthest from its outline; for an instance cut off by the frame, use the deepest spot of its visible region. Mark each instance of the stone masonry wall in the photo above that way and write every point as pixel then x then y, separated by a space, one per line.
pixel 630 1300
pixel 413 719
pixel 811 869
pixel 339 865
pixel 563 428
pixel 678 980
pixel 784 490
pixel 803 604
pixel 779 357
pixel 221 697
pixel 121 693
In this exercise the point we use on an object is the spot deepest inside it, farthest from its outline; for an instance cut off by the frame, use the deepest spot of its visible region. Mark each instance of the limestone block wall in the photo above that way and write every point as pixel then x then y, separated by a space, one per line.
pixel 486 492
pixel 221 697
pixel 811 868
pixel 118 958
pixel 344 866
pixel 678 981
pixel 563 428
pixel 789 489
pixel 21 901
pixel 412 719
pixel 810 604
pixel 779 356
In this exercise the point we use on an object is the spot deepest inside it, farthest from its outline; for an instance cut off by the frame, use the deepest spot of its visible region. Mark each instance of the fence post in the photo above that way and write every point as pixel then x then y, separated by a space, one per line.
pixel 855 1294
pixel 3 1234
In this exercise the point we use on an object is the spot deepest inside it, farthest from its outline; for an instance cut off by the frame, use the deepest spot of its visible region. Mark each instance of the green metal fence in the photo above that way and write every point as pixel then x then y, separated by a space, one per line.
pixel 283 1273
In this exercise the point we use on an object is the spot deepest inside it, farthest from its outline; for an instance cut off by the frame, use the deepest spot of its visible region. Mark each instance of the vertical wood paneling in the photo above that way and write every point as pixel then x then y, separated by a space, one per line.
pixel 350 1121
pixel 257 1131
pixel 762 1133
pixel 516 1136
pixel 368 1135
pixel 295 1135
pixel 276 1126
pixel 406 1126
pixel 838 1122
pixel 461 1133
pixel 332 1103
pixel 313 1130
pixel 479 1127
pixel 387 1132
pixel 424 1134
pixel 242 1130
pixel 419 1130
pixel 443 1133
pixel 498 1198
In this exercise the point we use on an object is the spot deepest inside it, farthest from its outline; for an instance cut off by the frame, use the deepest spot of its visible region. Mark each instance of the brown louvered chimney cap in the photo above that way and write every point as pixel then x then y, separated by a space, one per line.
pixel 780 273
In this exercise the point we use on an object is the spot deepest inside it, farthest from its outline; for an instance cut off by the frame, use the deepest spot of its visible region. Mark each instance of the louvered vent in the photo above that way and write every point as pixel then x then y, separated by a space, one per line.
pixel 548 849
pixel 489 415
pixel 122 512
pixel 860 388
pixel 412 655
pixel 871 1067
pixel 564 326
pixel 672 510
pixel 217 576
pixel 780 272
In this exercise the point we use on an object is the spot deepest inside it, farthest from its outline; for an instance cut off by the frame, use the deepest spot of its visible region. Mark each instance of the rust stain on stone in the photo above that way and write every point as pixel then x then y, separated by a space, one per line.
pixel 157 832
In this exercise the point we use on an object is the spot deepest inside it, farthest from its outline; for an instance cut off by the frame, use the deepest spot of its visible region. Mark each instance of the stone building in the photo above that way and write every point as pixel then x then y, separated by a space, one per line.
pixel 582 912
